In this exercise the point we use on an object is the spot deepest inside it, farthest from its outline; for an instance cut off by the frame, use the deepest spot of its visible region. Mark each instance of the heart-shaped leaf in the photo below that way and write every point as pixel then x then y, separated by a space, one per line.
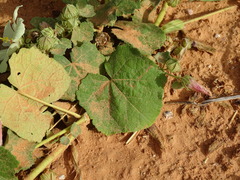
pixel 130 99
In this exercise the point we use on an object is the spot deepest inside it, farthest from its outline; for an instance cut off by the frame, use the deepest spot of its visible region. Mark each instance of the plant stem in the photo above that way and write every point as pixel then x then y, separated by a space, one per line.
pixel 210 14
pixel 161 14
pixel 50 105
pixel 80 121
pixel 48 160
pixel 177 77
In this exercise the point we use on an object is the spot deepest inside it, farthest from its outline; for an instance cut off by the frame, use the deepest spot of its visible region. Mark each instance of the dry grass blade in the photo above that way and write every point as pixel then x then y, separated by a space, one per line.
pixel 76 163
pixel 132 136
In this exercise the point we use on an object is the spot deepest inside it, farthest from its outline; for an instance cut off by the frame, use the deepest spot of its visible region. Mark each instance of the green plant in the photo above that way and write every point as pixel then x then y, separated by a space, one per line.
pixel 87 55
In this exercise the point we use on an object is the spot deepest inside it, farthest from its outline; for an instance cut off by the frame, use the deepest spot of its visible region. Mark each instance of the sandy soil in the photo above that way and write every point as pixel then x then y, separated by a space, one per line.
pixel 200 142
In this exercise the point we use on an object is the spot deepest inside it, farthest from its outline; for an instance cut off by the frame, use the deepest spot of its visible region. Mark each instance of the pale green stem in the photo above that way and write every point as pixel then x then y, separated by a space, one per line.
pixel 161 14
pixel 80 121
pixel 48 160
pixel 51 105
pixel 56 153
pixel 210 14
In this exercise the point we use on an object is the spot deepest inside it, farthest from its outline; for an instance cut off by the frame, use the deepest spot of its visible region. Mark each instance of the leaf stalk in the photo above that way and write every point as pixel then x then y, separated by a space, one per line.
pixel 161 14
pixel 209 14
pixel 50 105
pixel 80 121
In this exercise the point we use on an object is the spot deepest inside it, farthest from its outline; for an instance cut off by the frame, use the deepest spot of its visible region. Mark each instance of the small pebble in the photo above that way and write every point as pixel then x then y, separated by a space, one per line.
pixel 62 177
pixel 217 35
pixel 168 114
pixel 190 11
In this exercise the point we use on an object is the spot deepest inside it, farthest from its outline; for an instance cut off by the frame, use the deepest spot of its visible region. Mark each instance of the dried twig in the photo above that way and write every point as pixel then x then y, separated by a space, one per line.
pixel 132 136
pixel 227 98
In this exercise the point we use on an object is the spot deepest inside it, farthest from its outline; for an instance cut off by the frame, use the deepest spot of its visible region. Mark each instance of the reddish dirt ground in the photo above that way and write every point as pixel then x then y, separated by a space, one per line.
pixel 200 142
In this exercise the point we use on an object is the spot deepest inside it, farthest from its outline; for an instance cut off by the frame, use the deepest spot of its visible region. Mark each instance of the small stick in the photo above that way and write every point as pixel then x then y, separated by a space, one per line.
pixel 62 117
pixel 48 160
pixel 233 117
pixel 50 105
pixel 209 14
pixel 132 136
pixel 227 98
pixel 80 121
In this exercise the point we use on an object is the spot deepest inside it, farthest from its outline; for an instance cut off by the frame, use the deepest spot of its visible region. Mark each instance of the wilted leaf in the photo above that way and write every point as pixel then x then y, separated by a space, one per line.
pixel 83 32
pixel 130 99
pixel 85 59
pixel 75 130
pixel 7 164
pixel 146 13
pixel 173 26
pixel 143 36
pixel 64 140
pixel 35 74
pixel 105 15
pixel 19 115
pixel 85 9
pixel 21 149
pixel 203 47
pixel 49 175
pixel 13 32
pixel 35 21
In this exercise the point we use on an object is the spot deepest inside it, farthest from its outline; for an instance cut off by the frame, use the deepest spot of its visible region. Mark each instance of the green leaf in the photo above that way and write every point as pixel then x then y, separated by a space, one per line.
pixel 60 48
pixel 173 3
pixel 75 130
pixel 130 99
pixel 69 11
pixel 46 43
pixel 173 26
pixel 70 1
pixel 84 59
pixel 162 57
pixel 64 140
pixel 177 85
pixel 173 65
pixel 143 36
pixel 21 149
pixel 7 164
pixel 83 32
pixel 85 9
pixel 105 15
pixel 125 7
pixel 35 21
